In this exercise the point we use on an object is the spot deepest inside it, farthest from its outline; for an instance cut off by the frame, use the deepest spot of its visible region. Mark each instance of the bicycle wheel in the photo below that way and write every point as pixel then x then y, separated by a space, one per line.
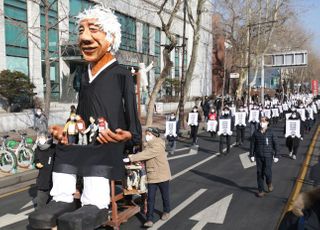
pixel 8 161
pixel 25 157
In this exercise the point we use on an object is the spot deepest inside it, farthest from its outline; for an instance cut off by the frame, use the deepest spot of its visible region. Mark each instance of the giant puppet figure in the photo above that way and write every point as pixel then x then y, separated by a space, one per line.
pixel 107 90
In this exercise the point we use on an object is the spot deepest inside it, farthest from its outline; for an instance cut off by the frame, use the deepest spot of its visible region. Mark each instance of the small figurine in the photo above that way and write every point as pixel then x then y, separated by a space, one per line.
pixel 81 127
pixel 70 129
pixel 102 124
pixel 92 129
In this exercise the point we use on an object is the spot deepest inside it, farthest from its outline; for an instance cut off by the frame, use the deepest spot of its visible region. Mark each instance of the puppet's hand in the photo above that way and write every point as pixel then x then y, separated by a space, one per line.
pixel 39 165
pixel 57 133
pixel 106 136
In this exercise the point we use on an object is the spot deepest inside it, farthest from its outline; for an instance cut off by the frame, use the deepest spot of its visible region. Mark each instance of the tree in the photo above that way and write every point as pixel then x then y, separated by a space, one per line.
pixel 166 28
pixel 33 33
pixel 16 88
pixel 196 26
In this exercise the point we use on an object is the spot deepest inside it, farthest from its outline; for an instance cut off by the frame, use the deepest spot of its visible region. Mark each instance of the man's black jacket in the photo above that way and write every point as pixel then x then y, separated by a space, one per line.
pixel 263 144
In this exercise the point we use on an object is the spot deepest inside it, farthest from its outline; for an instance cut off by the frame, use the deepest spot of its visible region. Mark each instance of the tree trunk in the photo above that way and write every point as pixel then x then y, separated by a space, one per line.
pixel 164 73
pixel 47 61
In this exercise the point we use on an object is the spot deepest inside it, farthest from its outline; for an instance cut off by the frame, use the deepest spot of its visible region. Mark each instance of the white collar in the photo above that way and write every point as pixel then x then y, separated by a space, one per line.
pixel 91 78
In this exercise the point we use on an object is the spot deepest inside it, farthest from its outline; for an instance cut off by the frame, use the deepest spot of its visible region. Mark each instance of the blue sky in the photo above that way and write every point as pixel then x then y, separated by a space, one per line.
pixel 310 19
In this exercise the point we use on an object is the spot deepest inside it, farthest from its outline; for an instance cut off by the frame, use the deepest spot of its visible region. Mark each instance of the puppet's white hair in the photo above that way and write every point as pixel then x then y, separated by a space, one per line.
pixel 108 21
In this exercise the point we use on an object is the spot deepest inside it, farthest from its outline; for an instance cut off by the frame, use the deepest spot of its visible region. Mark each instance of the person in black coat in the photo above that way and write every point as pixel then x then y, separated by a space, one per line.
pixel 44 158
pixel 226 114
pixel 293 142
pixel 264 149
pixel 194 127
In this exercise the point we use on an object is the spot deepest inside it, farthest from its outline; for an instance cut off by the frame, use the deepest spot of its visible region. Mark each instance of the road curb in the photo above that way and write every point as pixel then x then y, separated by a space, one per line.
pixel 301 176
pixel 17 181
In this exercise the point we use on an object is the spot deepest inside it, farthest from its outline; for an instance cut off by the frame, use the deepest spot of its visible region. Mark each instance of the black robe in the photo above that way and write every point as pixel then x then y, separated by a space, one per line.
pixel 110 95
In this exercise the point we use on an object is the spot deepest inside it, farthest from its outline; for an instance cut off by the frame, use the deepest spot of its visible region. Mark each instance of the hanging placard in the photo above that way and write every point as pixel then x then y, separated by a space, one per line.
pixel 240 118
pixel 267 113
pixel 302 114
pixel 171 128
pixel 212 126
pixel 225 127
pixel 254 115
pixel 193 119
pixel 293 128
pixel 275 113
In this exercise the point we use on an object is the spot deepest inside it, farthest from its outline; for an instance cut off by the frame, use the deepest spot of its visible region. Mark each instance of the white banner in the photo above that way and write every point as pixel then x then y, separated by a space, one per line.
pixel 254 115
pixel 275 113
pixel 240 118
pixel 302 114
pixel 171 128
pixel 225 127
pixel 293 128
pixel 280 108
pixel 212 126
pixel 193 119
pixel 267 113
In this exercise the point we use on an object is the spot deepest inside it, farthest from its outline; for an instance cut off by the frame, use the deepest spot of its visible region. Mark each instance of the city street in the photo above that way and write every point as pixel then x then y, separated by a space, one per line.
pixel 208 190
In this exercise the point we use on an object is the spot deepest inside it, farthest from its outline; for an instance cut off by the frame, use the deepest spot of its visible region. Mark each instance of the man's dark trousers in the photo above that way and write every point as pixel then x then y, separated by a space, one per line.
pixel 264 165
pixel 228 138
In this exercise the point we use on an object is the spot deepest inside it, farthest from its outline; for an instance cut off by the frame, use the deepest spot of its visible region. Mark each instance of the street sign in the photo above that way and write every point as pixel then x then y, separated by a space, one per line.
pixel 234 75
pixel 286 59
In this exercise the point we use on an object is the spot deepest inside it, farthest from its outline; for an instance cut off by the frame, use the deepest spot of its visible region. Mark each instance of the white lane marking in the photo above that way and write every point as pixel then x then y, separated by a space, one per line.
pixel 9 219
pixel 27 205
pixel 215 213
pixel 199 163
pixel 192 151
pixel 246 163
pixel 180 207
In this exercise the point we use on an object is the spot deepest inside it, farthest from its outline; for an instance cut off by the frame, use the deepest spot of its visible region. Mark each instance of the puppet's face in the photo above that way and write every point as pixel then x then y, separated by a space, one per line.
pixel 92 40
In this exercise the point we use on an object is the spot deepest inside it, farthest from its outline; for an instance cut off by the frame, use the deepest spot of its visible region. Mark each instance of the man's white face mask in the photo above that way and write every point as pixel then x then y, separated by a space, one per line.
pixel 194 110
pixel 264 125
pixel 42 140
pixel 149 137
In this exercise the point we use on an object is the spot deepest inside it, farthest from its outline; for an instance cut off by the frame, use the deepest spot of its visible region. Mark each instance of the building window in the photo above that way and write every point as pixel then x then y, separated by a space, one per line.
pixel 16 29
pixel 177 61
pixel 76 6
pixel 157 50
pixel 128 32
pixel 145 38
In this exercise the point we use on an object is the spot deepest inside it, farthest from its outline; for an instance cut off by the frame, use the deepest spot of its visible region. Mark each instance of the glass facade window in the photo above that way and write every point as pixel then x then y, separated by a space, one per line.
pixel 177 61
pixel 128 32
pixel 15 13
pixel 76 6
pixel 145 38
pixel 157 50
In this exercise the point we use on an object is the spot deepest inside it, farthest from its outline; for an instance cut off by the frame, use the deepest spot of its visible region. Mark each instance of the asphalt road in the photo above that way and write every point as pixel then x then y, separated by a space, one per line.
pixel 208 191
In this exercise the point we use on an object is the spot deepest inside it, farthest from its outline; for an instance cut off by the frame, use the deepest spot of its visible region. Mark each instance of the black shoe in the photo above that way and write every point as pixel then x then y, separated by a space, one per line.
pixel 46 217
pixel 88 217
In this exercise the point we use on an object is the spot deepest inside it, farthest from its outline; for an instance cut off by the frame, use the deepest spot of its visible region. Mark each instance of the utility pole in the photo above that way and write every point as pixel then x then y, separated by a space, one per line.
pixel 181 105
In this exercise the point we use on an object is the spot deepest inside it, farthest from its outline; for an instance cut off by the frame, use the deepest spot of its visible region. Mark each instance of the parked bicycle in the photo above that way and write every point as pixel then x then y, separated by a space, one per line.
pixel 8 159
pixel 24 154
